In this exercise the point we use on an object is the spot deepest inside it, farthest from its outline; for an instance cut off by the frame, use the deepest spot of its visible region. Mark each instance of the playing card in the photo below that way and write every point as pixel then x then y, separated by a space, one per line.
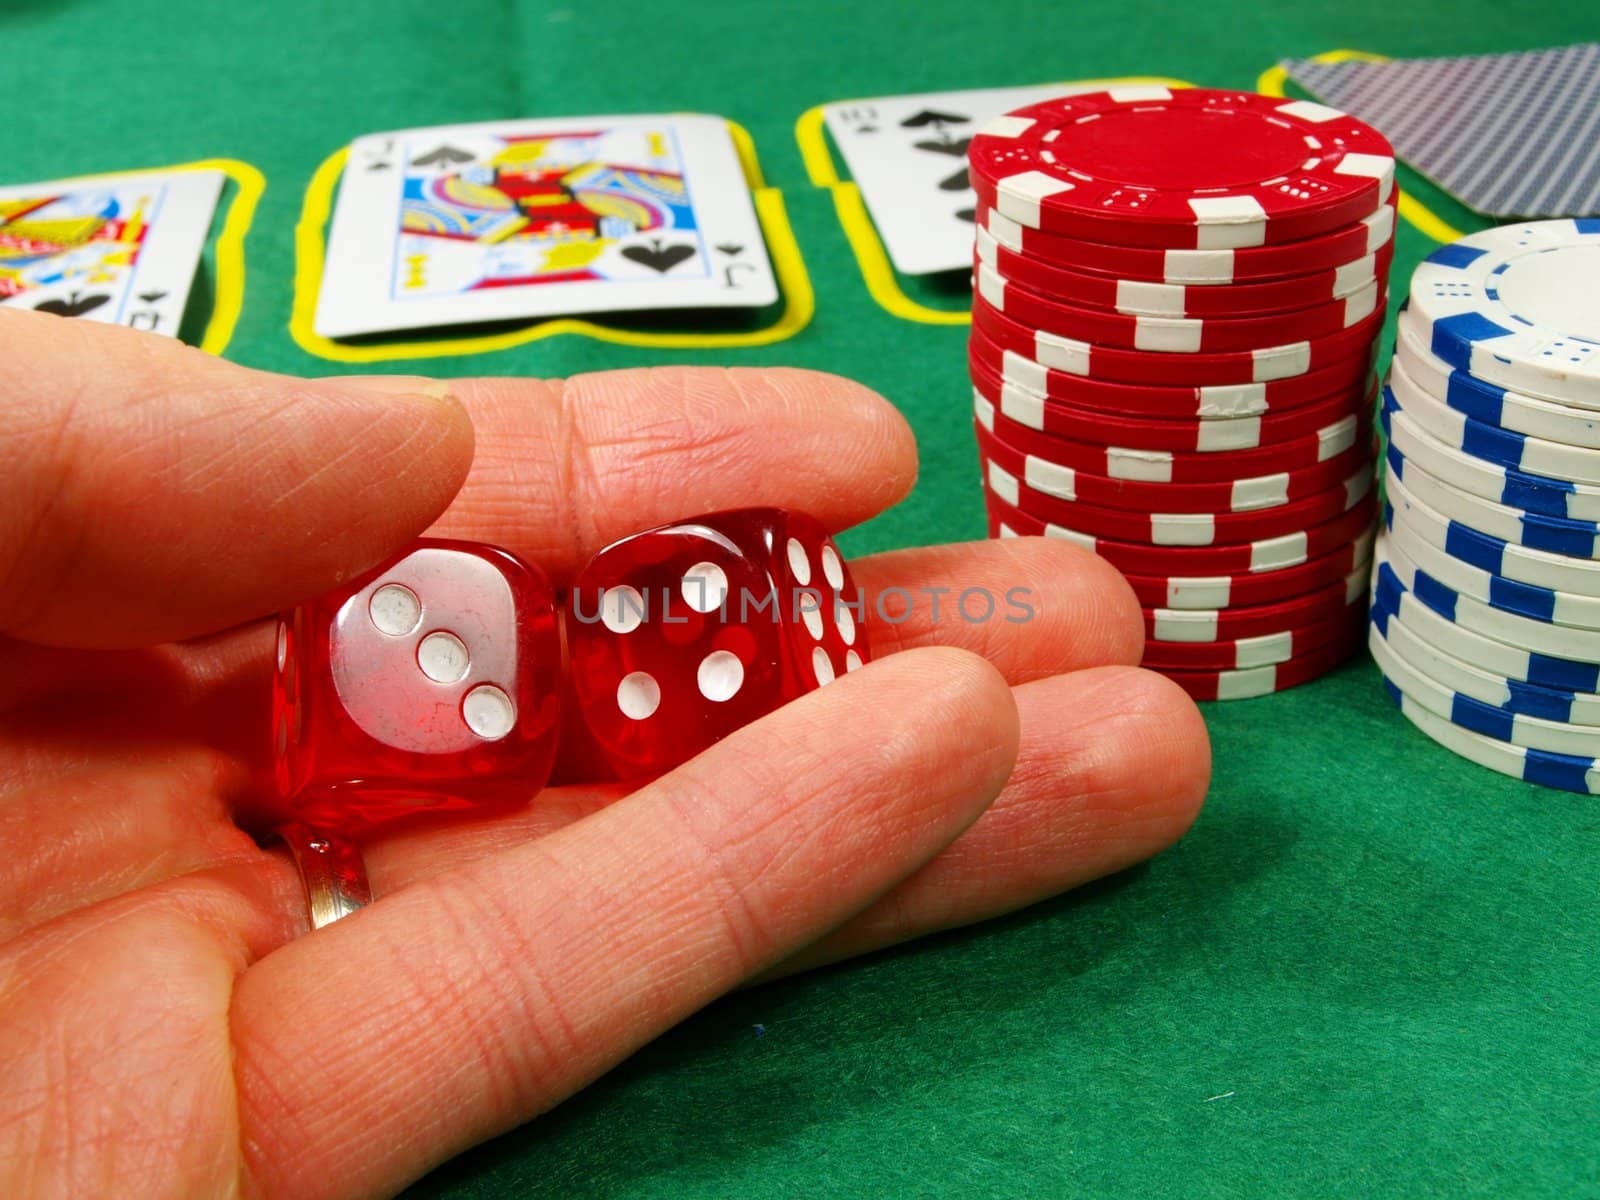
pixel 523 219
pixel 908 155
pixel 1508 135
pixel 122 249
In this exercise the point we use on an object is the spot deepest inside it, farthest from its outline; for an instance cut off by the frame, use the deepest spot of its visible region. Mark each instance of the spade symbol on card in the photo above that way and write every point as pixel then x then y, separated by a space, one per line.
pixel 152 297
pixel 933 117
pixel 959 182
pixel 731 250
pixel 954 147
pixel 74 305
pixel 378 159
pixel 865 119
pixel 969 215
pixel 444 156
pixel 658 257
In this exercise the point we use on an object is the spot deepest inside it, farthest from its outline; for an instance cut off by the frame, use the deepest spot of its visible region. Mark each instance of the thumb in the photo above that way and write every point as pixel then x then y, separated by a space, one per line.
pixel 150 492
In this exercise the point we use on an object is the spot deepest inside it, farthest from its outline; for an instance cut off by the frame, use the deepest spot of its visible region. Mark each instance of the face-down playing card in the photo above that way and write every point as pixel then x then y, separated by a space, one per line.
pixel 526 219
pixel 908 155
pixel 1508 135
pixel 121 249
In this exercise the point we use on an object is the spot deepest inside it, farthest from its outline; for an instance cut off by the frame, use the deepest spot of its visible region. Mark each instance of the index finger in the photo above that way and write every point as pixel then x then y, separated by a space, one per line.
pixel 564 468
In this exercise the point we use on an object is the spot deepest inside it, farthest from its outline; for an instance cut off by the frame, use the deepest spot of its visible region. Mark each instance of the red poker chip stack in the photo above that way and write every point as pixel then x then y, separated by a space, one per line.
pixel 1177 295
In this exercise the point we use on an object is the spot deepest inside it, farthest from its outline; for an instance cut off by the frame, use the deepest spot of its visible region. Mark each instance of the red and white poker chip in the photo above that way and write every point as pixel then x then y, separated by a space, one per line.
pixel 1266 554
pixel 1215 436
pixel 1187 593
pixel 1218 402
pixel 1237 495
pixel 1245 683
pixel 1142 298
pixel 1261 650
pixel 1147 165
pixel 1077 357
pixel 1181 529
pixel 1232 624
pixel 1198 268
pixel 1177 295
pixel 1173 335
pixel 1167 466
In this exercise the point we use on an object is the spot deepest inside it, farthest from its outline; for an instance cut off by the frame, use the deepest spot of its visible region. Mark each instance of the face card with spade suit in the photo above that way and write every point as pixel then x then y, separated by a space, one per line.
pixel 122 249
pixel 525 219
pixel 908 155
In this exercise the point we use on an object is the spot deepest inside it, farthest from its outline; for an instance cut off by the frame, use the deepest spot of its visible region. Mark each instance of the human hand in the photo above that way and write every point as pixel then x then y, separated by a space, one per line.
pixel 167 1024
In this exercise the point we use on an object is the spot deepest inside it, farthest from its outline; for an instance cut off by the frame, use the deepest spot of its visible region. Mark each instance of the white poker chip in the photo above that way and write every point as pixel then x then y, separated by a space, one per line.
pixel 1537 456
pixel 1561 641
pixel 1518 306
pixel 1487 552
pixel 1533 733
pixel 1487 402
pixel 1549 605
pixel 1568 772
pixel 1432 619
pixel 1506 485
pixel 1556 535
pixel 1468 663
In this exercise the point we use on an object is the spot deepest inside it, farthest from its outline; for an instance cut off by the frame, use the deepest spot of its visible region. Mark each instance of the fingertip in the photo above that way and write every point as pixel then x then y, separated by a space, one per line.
pixel 1110 628
pixel 880 439
pixel 158 458
pixel 956 699
pixel 362 464
pixel 1123 614
pixel 433 400
pixel 564 467
pixel 1171 708
pixel 1113 768
pixel 1159 764
pixel 416 427
pixel 441 394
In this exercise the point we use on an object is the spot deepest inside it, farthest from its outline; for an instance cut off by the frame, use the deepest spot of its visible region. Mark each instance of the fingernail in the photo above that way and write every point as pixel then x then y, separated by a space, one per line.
pixel 419 386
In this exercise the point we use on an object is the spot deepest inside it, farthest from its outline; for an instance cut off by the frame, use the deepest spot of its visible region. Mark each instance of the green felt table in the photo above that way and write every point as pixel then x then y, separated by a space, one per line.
pixel 1370 969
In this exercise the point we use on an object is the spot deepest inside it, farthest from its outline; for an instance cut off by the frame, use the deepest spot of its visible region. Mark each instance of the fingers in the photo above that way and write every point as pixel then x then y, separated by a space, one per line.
pixel 564 469
pixel 154 493
pixel 1034 607
pixel 1079 613
pixel 149 492
pixel 1113 767
pixel 467 1003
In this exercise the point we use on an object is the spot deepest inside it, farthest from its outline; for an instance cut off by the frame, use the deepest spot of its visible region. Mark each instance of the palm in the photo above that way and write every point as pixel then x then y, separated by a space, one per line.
pixel 167 1027
pixel 131 804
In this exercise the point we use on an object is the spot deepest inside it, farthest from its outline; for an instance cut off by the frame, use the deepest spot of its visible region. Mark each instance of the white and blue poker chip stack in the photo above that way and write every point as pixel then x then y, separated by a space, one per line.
pixel 1486 592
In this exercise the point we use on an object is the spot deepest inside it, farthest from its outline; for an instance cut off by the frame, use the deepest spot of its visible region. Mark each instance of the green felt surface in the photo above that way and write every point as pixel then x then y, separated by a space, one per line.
pixel 1370 968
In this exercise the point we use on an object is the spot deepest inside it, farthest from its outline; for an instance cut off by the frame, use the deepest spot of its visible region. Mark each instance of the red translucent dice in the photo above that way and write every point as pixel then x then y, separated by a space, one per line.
pixel 682 634
pixel 430 683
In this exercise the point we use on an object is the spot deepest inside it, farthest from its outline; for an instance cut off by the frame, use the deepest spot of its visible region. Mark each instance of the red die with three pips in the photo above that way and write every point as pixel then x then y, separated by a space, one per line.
pixel 430 683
